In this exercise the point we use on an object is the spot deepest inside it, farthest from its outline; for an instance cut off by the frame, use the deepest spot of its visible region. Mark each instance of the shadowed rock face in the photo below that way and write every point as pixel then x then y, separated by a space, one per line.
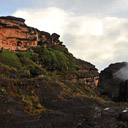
pixel 108 83
pixel 16 35
pixel 88 74
pixel 123 91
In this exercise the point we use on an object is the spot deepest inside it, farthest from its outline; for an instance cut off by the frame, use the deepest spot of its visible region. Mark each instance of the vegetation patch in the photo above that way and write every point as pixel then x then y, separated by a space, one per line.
pixel 56 60
pixel 25 96
pixel 9 58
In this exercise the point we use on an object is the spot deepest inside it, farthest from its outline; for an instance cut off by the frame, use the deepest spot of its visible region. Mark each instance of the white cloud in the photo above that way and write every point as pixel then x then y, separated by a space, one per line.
pixel 49 19
pixel 98 40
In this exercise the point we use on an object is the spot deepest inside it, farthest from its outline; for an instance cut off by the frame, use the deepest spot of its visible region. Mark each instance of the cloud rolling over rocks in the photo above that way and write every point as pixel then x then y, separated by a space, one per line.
pixel 100 41
pixel 122 73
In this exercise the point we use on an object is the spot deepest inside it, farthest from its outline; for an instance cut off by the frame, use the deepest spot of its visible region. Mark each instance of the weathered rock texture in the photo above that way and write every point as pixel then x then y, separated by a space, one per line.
pixel 88 74
pixel 108 82
pixel 16 35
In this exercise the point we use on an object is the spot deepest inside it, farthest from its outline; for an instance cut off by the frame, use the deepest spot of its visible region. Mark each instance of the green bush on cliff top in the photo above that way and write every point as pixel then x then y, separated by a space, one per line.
pixel 56 60
pixel 53 59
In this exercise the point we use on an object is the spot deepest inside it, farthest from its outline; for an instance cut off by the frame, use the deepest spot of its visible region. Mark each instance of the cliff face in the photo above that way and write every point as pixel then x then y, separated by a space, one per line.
pixel 88 74
pixel 123 91
pixel 108 82
pixel 16 35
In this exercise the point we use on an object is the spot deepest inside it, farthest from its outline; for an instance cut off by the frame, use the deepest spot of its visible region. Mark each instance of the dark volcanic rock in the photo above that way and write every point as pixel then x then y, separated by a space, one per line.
pixel 108 83
pixel 123 91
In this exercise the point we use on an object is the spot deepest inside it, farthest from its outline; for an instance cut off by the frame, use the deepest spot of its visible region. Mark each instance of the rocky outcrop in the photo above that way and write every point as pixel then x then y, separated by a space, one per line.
pixel 123 91
pixel 16 35
pixel 108 82
pixel 88 74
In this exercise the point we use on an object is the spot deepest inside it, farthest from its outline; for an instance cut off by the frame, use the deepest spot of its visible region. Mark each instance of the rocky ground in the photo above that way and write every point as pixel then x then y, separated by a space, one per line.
pixel 37 97
pixel 72 113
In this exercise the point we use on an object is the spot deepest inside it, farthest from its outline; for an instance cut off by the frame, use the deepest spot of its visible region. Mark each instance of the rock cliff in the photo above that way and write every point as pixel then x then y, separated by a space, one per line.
pixel 108 82
pixel 88 74
pixel 16 35
pixel 123 91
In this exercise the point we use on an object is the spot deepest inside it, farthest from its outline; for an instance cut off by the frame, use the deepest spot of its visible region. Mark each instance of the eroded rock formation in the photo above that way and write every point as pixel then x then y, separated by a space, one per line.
pixel 88 74
pixel 16 35
pixel 111 85
pixel 108 82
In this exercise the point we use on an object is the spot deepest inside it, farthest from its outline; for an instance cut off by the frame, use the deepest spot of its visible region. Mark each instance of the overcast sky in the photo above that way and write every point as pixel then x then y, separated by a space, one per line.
pixel 93 30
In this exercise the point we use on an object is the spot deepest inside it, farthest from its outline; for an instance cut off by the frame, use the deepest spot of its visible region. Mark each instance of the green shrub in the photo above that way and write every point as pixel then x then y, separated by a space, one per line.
pixel 26 54
pixel 60 48
pixel 11 59
pixel 27 63
pixel 56 60
pixel 37 49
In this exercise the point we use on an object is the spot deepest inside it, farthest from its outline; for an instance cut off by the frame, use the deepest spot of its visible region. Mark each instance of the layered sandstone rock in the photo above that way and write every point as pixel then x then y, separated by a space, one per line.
pixel 16 35
pixel 88 74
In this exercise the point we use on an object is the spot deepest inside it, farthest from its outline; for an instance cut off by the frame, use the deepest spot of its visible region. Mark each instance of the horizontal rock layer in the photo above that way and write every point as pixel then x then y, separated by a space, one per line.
pixel 16 35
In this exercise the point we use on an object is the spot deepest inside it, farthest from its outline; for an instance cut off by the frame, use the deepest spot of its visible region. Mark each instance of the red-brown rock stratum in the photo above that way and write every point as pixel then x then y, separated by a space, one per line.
pixel 16 35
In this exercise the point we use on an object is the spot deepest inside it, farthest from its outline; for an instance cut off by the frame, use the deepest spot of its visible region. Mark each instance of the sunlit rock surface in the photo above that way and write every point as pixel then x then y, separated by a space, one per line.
pixel 16 35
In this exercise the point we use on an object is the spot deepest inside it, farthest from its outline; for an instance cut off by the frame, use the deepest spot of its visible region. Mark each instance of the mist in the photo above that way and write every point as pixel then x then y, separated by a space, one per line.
pixel 122 73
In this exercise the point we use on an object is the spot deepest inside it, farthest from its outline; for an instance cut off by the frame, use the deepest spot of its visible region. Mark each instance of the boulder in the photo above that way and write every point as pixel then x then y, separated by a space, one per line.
pixel 55 38
pixel 36 71
pixel 108 82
